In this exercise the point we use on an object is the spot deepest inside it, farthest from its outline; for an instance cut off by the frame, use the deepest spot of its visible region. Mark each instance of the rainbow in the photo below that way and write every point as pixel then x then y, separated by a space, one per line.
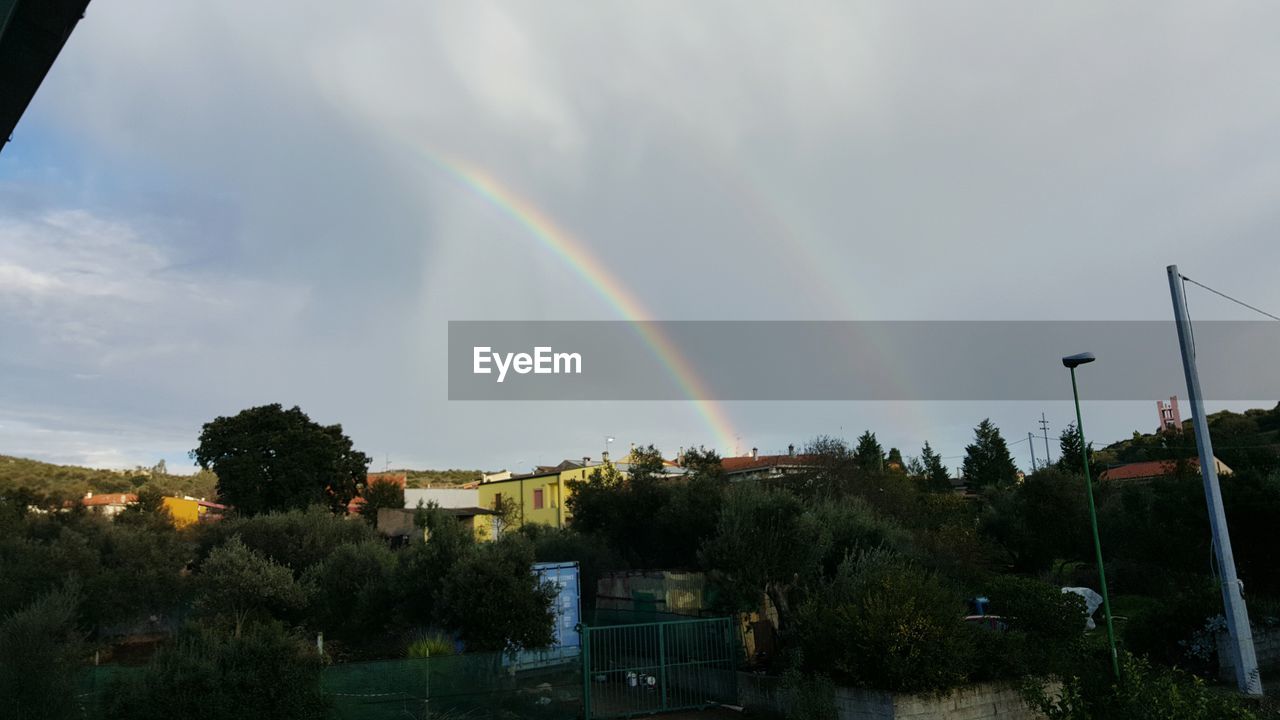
pixel 580 258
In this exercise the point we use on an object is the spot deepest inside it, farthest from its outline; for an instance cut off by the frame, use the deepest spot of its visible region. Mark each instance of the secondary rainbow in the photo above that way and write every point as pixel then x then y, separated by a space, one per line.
pixel 605 283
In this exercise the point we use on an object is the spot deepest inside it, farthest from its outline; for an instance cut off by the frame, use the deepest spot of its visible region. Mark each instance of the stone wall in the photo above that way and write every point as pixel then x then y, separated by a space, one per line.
pixel 1266 644
pixel 973 702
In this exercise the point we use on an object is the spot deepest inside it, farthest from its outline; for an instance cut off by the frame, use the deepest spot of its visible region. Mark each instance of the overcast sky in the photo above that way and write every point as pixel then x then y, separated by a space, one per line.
pixel 210 206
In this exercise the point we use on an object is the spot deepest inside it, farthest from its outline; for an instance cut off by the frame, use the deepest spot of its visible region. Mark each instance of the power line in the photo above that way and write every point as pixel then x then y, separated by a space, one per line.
pixel 1234 300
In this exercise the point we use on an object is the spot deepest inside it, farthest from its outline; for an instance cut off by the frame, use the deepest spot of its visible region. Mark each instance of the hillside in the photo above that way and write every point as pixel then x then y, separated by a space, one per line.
pixel 430 478
pixel 1244 441
pixel 71 481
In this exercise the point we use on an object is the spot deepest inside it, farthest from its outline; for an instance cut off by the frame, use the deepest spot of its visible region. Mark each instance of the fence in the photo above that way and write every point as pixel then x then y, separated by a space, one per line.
pixel 475 685
pixel 625 669
pixel 644 668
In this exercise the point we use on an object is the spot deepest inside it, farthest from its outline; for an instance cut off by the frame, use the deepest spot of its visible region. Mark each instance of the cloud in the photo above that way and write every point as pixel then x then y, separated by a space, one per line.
pixel 243 210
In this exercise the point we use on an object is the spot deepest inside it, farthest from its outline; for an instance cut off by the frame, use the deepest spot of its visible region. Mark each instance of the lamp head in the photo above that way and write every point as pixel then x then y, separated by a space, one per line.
pixel 1074 361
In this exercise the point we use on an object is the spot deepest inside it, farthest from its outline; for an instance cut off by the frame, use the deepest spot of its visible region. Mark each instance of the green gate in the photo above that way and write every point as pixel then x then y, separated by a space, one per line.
pixel 647 668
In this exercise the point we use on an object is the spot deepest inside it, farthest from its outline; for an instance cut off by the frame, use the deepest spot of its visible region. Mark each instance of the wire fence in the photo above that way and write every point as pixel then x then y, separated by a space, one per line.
pixel 473 685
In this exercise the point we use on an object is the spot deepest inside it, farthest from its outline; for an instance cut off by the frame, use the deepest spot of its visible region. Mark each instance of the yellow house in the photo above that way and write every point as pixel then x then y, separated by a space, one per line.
pixel 533 498
pixel 541 497
pixel 186 511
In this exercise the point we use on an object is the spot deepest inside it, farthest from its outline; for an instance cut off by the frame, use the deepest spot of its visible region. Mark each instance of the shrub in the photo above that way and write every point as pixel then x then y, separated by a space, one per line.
pixel 1041 627
pixel 296 539
pixel 429 645
pixel 203 675
pixel 40 652
pixel 592 553
pixel 887 624
pixel 1144 692
pixel 1165 631
pixel 236 584
pixel 350 590
pixel 494 601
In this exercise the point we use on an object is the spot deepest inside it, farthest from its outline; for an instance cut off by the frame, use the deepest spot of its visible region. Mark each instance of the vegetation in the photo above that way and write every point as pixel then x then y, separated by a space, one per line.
pixel 433 478
pixel 206 675
pixel 40 484
pixel 268 458
pixel 865 563
pixel 40 648
pixel 378 494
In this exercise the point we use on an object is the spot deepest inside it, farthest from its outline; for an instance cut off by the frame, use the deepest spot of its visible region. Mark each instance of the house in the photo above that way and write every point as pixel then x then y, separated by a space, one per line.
pixel 1155 469
pixel 443 497
pixel 398 523
pixel 536 497
pixel 109 504
pixel 766 467
pixel 188 511
pixel 541 496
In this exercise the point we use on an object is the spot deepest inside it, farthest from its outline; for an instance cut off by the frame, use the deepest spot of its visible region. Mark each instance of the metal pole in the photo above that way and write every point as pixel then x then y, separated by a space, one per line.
pixel 1044 425
pixel 1031 443
pixel 1093 522
pixel 1246 662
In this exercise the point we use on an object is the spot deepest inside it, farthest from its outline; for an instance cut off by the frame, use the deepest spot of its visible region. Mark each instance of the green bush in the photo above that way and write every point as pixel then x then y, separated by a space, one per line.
pixel 40 651
pixel 203 675
pixel 349 592
pixel 1041 626
pixel 887 624
pixel 1165 631
pixel 1144 692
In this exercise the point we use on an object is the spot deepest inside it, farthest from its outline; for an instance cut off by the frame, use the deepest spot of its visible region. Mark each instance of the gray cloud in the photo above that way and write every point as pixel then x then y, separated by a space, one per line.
pixel 241 209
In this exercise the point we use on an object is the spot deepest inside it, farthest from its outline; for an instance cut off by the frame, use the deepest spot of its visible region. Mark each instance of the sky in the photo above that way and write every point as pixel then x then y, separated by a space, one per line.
pixel 212 206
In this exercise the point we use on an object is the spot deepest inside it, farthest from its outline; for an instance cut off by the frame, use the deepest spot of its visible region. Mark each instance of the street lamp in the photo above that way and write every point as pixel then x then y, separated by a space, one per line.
pixel 1072 362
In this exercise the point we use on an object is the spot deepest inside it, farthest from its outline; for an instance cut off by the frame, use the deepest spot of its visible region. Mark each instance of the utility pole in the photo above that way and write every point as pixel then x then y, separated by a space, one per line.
pixel 1243 657
pixel 1044 425
pixel 1031 444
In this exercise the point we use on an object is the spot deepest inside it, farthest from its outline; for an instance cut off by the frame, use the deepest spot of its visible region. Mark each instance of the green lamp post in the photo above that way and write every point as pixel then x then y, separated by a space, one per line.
pixel 1071 362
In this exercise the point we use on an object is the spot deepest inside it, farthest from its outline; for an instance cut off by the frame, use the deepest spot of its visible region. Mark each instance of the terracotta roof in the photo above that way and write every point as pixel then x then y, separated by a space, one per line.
pixel 109 499
pixel 763 462
pixel 1148 469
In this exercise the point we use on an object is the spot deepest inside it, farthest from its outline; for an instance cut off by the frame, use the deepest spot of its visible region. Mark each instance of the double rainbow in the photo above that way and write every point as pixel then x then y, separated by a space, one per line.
pixel 578 257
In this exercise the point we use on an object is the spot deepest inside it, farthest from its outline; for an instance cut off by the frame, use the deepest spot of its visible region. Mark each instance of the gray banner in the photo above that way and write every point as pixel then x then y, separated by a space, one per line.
pixel 898 360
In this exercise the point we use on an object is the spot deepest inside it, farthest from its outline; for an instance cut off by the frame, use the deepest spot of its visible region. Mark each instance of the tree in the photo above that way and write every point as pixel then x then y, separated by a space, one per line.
pixel 934 472
pixel 268 458
pixel 987 461
pixel 494 601
pixel 1042 520
pixel 40 652
pixel 350 590
pixel 381 493
pixel 205 675
pixel 235 583
pixel 894 461
pixel 761 547
pixel 1071 450
pixel 868 455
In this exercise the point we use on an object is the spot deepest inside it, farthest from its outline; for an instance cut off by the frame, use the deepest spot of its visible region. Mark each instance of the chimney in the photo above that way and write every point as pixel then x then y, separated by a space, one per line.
pixel 755 453
pixel 791 450
pixel 604 456
pixel 586 460
pixel 680 456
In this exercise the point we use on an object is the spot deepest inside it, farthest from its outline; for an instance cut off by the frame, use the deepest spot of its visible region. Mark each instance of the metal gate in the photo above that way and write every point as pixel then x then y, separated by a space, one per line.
pixel 647 668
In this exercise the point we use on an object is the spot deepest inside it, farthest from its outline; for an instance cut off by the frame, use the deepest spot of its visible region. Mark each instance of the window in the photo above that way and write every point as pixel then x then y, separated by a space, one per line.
pixel 537 499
